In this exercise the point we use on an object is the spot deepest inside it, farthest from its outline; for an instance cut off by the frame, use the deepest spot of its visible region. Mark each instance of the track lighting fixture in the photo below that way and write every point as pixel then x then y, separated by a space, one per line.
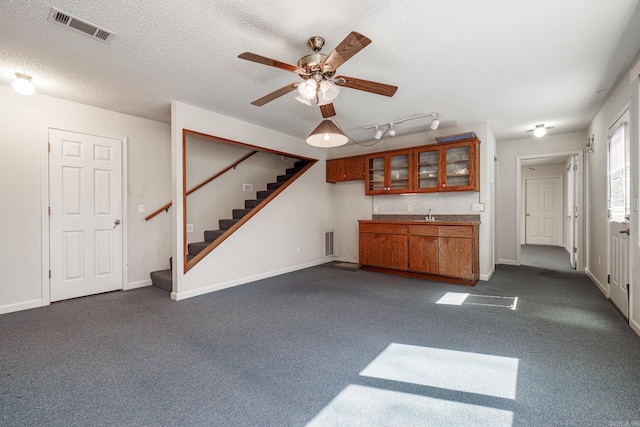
pixel 392 131
pixel 384 129
pixel 434 122
pixel 540 130
pixel 22 84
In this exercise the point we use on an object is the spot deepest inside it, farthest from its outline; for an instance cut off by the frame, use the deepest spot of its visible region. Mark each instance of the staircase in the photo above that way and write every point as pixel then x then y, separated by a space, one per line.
pixel 163 278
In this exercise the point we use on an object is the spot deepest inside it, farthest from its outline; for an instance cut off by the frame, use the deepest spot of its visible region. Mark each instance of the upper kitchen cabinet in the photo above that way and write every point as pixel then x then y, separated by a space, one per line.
pixel 390 172
pixel 345 169
pixel 448 166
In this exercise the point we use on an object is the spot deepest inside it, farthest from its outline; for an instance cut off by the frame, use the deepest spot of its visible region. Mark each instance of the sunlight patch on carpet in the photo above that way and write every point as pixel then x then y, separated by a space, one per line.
pixel 366 406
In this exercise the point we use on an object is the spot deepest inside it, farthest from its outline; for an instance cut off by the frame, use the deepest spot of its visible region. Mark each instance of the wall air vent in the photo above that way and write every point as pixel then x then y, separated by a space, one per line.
pixel 66 20
pixel 328 243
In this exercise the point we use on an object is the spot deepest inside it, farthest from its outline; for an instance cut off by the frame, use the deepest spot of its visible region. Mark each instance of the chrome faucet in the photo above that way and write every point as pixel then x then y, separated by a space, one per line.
pixel 429 217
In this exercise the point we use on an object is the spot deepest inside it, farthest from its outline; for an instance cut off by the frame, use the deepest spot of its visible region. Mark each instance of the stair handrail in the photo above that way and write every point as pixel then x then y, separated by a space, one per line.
pixel 202 184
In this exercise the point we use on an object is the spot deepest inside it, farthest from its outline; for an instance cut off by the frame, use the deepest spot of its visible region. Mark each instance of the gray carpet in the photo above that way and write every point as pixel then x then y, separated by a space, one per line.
pixel 544 256
pixel 297 350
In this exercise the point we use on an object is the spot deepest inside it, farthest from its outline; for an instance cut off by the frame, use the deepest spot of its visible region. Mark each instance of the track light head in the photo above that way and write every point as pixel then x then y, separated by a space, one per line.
pixel 435 122
pixel 378 134
pixel 392 131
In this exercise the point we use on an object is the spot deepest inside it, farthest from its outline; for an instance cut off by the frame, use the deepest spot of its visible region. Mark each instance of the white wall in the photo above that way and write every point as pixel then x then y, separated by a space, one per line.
pixel 286 235
pixel 623 94
pixel 24 122
pixel 508 152
pixel 351 203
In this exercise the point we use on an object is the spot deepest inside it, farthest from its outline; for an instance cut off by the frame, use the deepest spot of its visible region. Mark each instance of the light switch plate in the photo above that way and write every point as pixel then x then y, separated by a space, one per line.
pixel 141 208
pixel 189 228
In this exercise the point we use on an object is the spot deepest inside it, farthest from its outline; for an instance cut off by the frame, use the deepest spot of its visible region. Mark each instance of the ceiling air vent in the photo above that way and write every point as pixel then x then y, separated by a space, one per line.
pixel 62 18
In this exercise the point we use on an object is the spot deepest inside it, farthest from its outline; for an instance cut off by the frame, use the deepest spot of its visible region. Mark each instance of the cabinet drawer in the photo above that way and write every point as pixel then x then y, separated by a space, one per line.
pixel 455 231
pixel 424 230
pixel 383 228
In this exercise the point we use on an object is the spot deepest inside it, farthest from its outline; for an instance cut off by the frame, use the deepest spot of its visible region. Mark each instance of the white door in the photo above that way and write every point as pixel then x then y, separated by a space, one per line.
pixel 619 177
pixel 543 211
pixel 85 197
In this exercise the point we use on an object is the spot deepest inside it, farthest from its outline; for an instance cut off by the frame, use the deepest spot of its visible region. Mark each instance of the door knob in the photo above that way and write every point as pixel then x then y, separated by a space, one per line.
pixel 624 232
pixel 528 214
pixel 116 223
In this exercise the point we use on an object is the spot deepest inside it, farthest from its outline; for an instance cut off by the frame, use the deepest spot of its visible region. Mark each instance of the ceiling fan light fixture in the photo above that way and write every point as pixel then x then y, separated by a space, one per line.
pixel 327 135
pixel 22 84
pixel 329 90
pixel 308 89
pixel 305 101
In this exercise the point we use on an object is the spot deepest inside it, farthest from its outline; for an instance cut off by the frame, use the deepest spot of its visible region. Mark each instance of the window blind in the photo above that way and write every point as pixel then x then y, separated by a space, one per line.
pixel 619 174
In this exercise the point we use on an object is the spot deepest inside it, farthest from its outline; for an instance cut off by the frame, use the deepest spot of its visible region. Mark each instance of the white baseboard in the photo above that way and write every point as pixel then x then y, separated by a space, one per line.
pixel 10 308
pixel 487 276
pixel 219 286
pixel 507 261
pixel 604 289
pixel 635 326
pixel 136 285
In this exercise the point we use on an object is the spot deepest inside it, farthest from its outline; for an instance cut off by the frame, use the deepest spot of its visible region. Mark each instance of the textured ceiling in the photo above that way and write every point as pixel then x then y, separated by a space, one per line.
pixel 513 63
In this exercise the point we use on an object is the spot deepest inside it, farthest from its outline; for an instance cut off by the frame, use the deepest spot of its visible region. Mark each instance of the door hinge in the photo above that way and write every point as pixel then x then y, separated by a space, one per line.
pixel 48 147
pixel 49 274
pixel 608 278
pixel 49 210
pixel 575 250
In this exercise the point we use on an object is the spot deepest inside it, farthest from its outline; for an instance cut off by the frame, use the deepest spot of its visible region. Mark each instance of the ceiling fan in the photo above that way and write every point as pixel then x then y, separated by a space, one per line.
pixel 318 70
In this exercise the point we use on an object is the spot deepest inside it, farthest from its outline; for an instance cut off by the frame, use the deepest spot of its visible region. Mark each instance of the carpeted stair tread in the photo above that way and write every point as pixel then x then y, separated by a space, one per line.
pixel 239 213
pixel 274 185
pixel 285 178
pixel 211 235
pixel 292 171
pixel 226 224
pixel 162 279
pixel 197 247
pixel 264 194
pixel 249 204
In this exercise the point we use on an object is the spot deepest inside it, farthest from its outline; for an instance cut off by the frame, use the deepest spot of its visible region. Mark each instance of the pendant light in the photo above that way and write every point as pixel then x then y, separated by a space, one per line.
pixel 327 135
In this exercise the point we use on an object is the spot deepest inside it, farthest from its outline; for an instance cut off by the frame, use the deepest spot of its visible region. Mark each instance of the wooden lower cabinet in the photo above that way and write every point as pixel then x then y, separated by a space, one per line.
pixel 444 251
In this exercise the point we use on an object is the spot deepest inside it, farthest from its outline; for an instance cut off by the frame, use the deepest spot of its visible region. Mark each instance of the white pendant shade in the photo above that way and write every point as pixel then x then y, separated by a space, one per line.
pixel 327 135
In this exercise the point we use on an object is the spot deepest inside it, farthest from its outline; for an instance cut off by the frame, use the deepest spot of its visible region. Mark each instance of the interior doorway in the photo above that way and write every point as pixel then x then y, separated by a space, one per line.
pixel 545 197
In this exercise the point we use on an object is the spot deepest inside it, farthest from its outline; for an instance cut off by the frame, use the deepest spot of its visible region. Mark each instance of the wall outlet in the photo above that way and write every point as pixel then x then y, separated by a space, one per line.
pixel 477 207
pixel 189 228
pixel 410 208
pixel 375 208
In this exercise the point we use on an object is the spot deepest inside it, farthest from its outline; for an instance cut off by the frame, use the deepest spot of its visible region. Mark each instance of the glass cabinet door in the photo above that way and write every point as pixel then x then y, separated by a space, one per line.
pixel 399 172
pixel 458 166
pixel 375 178
pixel 428 169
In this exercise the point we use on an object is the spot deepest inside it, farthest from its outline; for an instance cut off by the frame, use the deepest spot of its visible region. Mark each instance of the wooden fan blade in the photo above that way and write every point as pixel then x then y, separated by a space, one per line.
pixel 327 111
pixel 270 62
pixel 365 85
pixel 351 45
pixel 275 94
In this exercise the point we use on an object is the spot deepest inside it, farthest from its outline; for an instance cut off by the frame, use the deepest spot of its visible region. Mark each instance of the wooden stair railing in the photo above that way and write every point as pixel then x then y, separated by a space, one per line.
pixel 202 184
